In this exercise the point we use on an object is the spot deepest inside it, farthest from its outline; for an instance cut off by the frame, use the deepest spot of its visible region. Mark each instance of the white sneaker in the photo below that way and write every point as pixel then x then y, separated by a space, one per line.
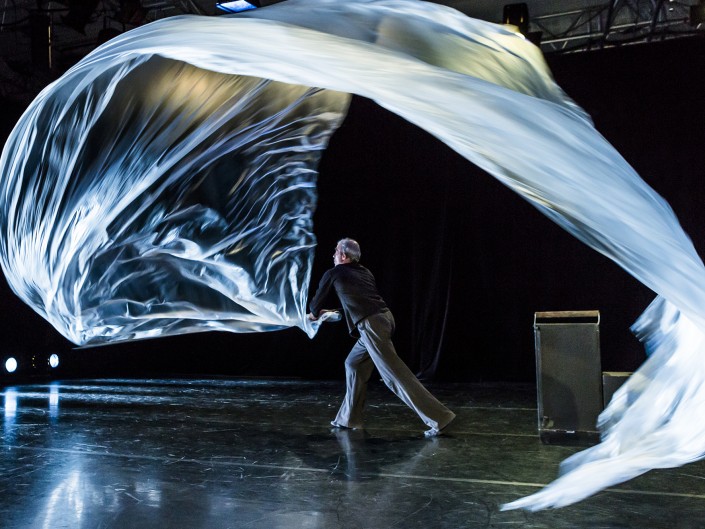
pixel 435 432
pixel 338 425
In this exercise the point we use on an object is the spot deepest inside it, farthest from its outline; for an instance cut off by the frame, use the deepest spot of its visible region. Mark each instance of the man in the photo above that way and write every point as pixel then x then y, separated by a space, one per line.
pixel 371 322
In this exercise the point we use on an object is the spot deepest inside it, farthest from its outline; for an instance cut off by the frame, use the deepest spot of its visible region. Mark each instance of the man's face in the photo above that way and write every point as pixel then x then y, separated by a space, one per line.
pixel 338 256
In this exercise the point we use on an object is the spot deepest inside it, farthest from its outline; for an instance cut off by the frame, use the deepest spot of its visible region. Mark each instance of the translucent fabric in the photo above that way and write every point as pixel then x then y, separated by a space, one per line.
pixel 162 186
pixel 153 198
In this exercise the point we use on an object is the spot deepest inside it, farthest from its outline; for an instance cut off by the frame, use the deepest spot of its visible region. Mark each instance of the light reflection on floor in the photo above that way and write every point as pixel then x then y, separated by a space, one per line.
pixel 223 453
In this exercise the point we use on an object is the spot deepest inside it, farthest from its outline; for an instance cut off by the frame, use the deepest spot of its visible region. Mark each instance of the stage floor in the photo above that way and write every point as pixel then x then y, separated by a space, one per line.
pixel 234 453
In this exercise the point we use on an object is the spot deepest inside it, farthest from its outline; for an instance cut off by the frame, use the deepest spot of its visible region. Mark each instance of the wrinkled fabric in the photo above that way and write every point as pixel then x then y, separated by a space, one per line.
pixel 165 185
pixel 152 198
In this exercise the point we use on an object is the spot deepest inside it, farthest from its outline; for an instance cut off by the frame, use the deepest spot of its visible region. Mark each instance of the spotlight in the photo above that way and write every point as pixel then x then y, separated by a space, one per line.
pixel 697 14
pixel 517 15
pixel 11 365
pixel 54 360
pixel 236 6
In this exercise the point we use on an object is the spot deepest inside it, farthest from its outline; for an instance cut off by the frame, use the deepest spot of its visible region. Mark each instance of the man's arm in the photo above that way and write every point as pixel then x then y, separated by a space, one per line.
pixel 324 290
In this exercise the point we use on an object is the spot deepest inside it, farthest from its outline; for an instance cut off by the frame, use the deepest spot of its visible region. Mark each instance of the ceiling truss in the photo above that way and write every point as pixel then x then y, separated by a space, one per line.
pixel 615 23
pixel 40 39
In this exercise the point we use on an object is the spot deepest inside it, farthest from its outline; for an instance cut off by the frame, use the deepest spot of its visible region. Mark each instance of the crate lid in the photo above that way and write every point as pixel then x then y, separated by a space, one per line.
pixel 567 316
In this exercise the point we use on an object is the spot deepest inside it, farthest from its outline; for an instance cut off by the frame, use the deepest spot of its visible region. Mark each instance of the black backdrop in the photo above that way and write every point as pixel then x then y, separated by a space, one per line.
pixel 462 261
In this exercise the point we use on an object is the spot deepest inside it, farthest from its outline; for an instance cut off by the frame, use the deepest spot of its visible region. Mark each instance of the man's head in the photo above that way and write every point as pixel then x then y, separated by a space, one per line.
pixel 346 251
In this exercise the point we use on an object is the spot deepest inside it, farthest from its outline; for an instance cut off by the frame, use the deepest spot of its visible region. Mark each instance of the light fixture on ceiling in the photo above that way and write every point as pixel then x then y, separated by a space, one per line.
pixel 237 6
pixel 517 16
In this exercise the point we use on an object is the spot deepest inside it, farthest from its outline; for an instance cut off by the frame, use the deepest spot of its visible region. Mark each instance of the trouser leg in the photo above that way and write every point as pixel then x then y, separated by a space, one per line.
pixel 376 334
pixel 358 369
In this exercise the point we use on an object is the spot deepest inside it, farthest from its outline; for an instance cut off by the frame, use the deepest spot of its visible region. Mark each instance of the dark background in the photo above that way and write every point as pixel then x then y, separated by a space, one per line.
pixel 463 262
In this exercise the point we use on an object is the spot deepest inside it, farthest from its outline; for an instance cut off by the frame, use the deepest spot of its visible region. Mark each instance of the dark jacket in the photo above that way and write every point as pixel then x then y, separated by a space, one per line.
pixel 356 288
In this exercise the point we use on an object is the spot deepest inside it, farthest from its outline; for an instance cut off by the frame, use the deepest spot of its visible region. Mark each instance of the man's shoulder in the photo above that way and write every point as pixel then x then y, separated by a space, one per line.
pixel 350 267
pixel 350 270
pixel 336 271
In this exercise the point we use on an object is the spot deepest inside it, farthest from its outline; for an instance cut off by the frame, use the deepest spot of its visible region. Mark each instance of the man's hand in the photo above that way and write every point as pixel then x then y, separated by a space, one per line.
pixel 326 315
pixel 311 316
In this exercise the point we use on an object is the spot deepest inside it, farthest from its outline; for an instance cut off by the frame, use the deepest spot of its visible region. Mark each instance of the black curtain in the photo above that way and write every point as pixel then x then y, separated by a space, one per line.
pixel 465 263
pixel 462 261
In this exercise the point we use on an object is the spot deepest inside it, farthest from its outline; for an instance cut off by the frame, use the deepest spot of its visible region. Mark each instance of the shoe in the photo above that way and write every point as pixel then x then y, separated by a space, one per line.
pixel 435 432
pixel 335 424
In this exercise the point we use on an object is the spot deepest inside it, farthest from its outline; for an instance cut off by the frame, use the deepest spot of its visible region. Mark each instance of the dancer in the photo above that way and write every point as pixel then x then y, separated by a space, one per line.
pixel 371 322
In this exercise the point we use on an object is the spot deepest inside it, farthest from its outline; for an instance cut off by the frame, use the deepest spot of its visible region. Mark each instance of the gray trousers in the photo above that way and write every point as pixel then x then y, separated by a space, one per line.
pixel 375 349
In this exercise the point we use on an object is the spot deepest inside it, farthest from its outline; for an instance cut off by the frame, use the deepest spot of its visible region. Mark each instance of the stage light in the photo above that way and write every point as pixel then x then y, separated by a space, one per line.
pixel 517 15
pixel 11 365
pixel 54 360
pixel 697 14
pixel 235 7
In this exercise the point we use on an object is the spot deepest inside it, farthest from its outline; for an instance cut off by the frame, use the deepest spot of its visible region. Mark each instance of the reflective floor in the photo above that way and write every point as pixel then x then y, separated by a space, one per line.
pixel 260 454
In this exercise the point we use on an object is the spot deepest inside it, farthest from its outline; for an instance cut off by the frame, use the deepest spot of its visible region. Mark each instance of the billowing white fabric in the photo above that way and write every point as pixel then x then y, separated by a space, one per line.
pixel 162 186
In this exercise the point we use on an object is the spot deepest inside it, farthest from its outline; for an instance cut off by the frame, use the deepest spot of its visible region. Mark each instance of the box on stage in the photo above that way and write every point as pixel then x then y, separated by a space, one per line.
pixel 611 382
pixel 568 375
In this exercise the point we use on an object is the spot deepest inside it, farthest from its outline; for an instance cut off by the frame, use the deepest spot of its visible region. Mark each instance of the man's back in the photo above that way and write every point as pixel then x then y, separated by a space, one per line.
pixel 357 290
